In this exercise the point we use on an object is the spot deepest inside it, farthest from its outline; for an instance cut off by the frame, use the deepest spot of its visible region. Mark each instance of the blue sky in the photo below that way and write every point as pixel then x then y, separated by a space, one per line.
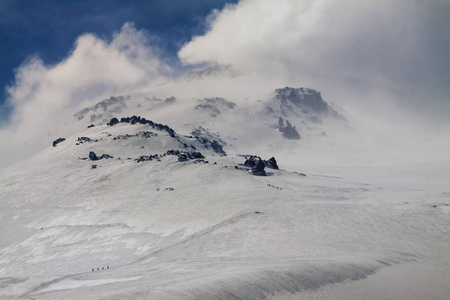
pixel 49 28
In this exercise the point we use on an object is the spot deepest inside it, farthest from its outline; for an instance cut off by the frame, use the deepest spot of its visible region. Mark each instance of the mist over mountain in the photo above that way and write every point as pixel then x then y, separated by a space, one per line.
pixel 297 149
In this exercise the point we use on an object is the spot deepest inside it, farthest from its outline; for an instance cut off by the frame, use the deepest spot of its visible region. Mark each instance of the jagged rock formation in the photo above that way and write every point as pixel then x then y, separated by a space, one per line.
pixel 138 120
pixel 257 164
pixel 93 156
pixel 251 160
pixel 258 169
pixel 214 145
pixel 289 131
pixel 185 156
pixel 271 163
pixel 209 140
pixel 309 100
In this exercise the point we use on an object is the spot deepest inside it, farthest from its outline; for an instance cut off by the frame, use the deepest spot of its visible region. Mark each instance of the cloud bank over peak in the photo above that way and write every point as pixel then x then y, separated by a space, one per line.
pixel 95 69
pixel 368 46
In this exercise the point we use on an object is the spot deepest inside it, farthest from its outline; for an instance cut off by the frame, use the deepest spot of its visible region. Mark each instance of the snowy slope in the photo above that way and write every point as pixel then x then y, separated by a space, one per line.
pixel 206 228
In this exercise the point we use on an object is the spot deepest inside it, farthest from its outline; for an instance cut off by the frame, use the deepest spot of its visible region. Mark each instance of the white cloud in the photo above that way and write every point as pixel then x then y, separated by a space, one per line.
pixel 385 62
pixel 399 48
pixel 94 70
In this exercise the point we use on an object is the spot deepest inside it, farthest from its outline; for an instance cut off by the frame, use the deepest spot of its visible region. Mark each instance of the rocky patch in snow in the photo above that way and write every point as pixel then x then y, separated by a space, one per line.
pixel 57 141
pixel 214 105
pixel 258 165
pixel 209 140
pixel 142 134
pixel 182 156
pixel 271 163
pixel 85 139
pixel 309 100
pixel 93 156
pixel 258 168
pixel 138 120
pixel 289 132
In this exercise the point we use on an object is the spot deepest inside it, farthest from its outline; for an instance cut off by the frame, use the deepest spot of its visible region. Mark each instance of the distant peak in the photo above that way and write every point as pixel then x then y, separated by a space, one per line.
pixel 307 99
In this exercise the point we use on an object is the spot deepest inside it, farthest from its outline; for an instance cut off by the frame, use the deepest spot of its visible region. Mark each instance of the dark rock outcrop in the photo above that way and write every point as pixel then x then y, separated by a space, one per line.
pixel 138 120
pixel 146 134
pixel 209 139
pixel 182 156
pixel 271 163
pixel 147 158
pixel 93 156
pixel 309 100
pixel 258 169
pixel 83 139
pixel 217 147
pixel 185 156
pixel 288 131
pixel 57 141
pixel 257 165
pixel 251 161
pixel 213 144
pixel 113 122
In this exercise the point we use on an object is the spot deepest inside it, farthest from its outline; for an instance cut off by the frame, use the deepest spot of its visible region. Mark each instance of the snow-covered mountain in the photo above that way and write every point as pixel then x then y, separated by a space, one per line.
pixel 158 194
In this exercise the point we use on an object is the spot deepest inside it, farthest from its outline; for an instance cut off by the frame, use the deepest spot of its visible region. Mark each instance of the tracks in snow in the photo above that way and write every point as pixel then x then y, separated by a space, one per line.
pixel 192 237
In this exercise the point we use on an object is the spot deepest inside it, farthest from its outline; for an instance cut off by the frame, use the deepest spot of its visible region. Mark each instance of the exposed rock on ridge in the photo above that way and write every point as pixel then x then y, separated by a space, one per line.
pixel 305 98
